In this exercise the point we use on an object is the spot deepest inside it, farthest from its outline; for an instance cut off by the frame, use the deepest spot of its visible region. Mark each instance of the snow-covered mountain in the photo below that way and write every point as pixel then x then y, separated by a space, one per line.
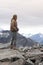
pixel 37 37
pixel 4 36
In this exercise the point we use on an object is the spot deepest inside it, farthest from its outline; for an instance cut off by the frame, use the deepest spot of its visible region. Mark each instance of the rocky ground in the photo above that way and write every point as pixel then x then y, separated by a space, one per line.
pixel 21 56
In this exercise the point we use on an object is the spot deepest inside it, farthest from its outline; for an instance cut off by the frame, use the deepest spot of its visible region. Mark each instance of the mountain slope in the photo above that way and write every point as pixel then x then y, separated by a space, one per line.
pixel 37 37
pixel 22 41
pixel 5 37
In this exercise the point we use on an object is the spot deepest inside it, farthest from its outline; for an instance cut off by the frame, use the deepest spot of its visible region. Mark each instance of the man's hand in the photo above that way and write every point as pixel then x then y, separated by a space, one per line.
pixel 17 29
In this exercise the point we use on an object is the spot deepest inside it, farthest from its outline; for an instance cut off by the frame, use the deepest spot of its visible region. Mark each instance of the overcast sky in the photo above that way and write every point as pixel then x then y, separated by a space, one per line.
pixel 29 12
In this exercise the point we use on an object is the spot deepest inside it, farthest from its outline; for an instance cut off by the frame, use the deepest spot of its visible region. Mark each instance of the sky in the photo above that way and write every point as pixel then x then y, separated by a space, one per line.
pixel 29 12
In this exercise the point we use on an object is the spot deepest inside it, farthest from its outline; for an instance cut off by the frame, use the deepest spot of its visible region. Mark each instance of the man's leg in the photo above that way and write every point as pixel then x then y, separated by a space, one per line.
pixel 15 39
pixel 12 39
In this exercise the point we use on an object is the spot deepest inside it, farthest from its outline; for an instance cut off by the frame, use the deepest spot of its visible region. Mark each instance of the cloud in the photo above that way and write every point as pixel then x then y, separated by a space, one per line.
pixel 32 30
pixel 30 12
pixel 33 7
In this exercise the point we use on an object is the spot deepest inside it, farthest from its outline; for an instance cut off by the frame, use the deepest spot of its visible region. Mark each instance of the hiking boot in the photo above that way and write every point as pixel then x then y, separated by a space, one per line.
pixel 11 46
pixel 14 47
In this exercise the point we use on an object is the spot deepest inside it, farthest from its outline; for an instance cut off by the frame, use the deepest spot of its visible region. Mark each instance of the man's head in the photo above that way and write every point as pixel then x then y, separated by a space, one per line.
pixel 15 17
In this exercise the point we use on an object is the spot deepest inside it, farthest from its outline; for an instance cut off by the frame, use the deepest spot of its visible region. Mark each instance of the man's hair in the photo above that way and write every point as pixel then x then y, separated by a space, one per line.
pixel 14 16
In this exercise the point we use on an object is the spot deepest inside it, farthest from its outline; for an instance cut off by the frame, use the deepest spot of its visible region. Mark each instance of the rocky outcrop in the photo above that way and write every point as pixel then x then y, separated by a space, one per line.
pixel 21 56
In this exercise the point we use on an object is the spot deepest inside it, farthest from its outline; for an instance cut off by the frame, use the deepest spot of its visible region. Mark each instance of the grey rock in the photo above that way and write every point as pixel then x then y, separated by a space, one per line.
pixel 18 62
pixel 25 49
pixel 4 63
pixel 37 62
pixel 9 53
pixel 30 62
pixel 21 56
pixel 41 63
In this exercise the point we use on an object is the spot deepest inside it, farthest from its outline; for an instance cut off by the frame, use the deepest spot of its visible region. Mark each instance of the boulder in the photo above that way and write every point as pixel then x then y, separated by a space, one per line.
pixel 10 53
pixel 4 63
pixel 29 62
pixel 18 62
pixel 41 63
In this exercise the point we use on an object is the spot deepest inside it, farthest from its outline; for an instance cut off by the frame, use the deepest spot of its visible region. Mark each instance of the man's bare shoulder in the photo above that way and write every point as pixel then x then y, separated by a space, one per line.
pixel 13 21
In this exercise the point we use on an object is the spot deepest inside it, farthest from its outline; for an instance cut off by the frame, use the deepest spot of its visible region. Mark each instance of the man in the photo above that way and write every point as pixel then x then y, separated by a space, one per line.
pixel 14 30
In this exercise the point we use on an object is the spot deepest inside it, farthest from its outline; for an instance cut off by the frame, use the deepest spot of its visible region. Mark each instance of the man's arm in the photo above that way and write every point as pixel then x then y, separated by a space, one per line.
pixel 12 25
pixel 16 25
